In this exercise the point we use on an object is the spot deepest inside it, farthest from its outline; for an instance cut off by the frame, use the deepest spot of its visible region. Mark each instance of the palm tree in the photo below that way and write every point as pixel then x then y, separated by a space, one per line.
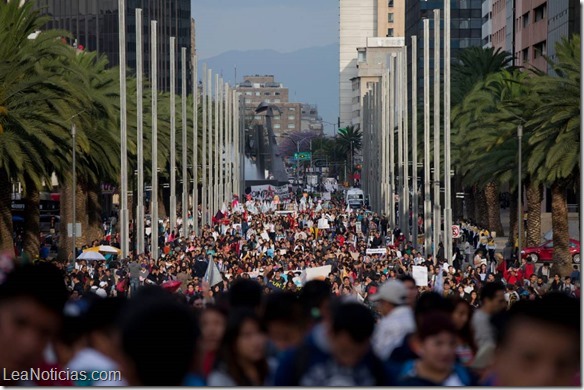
pixel 555 160
pixel 30 87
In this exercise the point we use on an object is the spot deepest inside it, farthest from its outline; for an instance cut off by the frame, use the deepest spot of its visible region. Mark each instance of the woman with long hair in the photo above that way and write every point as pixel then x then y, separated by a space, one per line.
pixel 212 321
pixel 466 348
pixel 242 357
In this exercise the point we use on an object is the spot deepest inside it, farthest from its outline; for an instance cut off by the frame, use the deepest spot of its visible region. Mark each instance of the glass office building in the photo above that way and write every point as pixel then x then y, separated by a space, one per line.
pixel 94 25
pixel 465 31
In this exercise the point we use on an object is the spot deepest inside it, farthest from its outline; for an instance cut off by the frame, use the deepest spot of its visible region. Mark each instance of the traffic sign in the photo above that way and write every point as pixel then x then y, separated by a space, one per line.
pixel 455 231
pixel 303 156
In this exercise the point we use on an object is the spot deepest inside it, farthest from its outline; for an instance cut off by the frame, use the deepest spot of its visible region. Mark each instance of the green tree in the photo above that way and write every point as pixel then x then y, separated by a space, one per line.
pixel 555 159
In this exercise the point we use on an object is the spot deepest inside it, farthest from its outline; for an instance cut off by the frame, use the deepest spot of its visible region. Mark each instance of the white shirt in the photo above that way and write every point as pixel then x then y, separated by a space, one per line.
pixel 391 330
pixel 90 360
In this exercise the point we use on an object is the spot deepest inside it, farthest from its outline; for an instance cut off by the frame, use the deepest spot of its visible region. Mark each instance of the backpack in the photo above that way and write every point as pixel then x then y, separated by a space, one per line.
pixel 121 285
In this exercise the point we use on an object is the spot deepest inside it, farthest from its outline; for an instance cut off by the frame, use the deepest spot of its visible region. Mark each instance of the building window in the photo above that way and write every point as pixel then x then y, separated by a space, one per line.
pixel 276 117
pixel 291 117
pixel 525 55
pixel 248 93
pixel 277 93
pixel 390 17
pixel 276 100
pixel 525 20
pixel 361 56
pixel 247 101
pixel 257 117
pixel 291 126
pixel 292 109
pixel 539 49
pixel 258 93
pixel 540 13
pixel 390 3
pixel 266 93
pixel 390 32
pixel 276 126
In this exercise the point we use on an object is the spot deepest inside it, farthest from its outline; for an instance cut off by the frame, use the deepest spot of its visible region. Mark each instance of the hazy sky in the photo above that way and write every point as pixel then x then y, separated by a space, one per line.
pixel 281 25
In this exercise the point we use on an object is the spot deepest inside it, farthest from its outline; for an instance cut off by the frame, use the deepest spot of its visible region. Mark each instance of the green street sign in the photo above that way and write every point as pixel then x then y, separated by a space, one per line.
pixel 303 156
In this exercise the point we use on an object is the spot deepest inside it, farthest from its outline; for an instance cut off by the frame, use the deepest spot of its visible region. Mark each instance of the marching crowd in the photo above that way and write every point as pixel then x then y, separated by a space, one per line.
pixel 315 295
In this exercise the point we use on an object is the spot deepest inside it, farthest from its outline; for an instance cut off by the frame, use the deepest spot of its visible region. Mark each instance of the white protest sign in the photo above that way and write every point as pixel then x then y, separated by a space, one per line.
pixel 420 275
pixel 318 273
pixel 376 251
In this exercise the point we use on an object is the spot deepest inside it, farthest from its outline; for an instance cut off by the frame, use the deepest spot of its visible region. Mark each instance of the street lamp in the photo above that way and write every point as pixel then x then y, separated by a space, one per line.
pixel 297 144
pixel 519 192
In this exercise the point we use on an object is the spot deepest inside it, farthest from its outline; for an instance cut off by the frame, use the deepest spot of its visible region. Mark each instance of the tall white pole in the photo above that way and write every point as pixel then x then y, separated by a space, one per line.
pixel 195 145
pixel 400 141
pixel 427 184
pixel 392 67
pixel 204 170
pixel 216 159
pixel 210 161
pixel 437 218
pixel 238 163
pixel 221 144
pixel 415 196
pixel 406 198
pixel 154 83
pixel 124 220
pixel 172 136
pixel 184 146
pixel 383 143
pixel 447 165
pixel 228 144
pixel 74 194
pixel 140 123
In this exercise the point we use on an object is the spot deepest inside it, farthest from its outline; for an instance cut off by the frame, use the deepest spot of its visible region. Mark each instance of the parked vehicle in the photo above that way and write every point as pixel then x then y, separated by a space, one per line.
pixel 545 252
pixel 355 198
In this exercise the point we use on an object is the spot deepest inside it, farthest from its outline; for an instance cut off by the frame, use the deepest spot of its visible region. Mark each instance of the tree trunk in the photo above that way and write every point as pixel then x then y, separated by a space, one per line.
pixel 82 218
pixel 65 242
pixel 481 210
pixel 6 240
pixel 534 199
pixel 494 209
pixel 94 210
pixel 32 221
pixel 469 199
pixel 562 259
pixel 161 205
pixel 513 217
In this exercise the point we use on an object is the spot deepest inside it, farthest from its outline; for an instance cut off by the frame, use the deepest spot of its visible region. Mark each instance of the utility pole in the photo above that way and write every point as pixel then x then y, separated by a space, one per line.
pixel 217 160
pixel 447 166
pixel 400 141
pixel 415 197
pixel 437 218
pixel 185 172
pixel 195 146
pixel 427 196
pixel 406 198
pixel 519 192
pixel 172 137
pixel 154 72
pixel 140 127
pixel 221 143
pixel 124 221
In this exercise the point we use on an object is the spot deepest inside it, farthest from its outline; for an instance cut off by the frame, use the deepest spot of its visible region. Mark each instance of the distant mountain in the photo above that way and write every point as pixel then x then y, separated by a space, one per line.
pixel 311 75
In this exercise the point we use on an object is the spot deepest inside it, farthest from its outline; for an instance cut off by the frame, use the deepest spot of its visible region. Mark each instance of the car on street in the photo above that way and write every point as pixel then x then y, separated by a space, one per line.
pixel 545 251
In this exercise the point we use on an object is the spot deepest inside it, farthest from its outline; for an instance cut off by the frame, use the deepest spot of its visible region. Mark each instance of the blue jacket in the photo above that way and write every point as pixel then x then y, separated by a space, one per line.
pixel 409 377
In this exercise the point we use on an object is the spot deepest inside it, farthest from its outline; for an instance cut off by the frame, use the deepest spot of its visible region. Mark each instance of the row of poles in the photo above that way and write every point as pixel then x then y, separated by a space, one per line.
pixel 220 151
pixel 385 113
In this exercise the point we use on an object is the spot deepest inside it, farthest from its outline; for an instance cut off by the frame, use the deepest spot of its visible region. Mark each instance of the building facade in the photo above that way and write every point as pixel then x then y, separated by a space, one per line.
pixel 94 25
pixel 257 89
pixel 465 29
pixel 372 63
pixel 310 121
pixel 391 18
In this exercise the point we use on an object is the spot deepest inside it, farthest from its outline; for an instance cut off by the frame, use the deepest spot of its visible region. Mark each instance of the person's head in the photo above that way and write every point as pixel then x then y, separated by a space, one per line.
pixel 538 343
pixel 461 314
pixel 101 325
pixel 390 295
pixel 435 342
pixel 429 302
pixel 284 320
pixel 197 302
pixel 410 284
pixel 493 298
pixel 158 339
pixel 245 293
pixel 31 305
pixel 244 342
pixel 350 333
pixel 315 299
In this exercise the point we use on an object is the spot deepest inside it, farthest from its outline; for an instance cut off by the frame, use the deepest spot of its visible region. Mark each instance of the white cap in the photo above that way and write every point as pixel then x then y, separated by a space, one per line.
pixel 100 292
pixel 392 291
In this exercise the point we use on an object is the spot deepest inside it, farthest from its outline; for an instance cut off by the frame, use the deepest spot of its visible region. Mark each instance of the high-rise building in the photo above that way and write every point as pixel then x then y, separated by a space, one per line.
pixel 94 25
pixel 310 121
pixel 487 29
pixel 391 18
pixel 530 29
pixel 358 21
pixel 257 89
pixel 465 29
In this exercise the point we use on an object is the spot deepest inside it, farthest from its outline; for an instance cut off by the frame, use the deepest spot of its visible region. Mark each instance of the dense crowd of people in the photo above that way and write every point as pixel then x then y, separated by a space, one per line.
pixel 318 295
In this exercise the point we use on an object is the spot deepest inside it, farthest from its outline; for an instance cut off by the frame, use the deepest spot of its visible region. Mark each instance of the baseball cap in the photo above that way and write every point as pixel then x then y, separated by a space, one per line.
pixel 392 291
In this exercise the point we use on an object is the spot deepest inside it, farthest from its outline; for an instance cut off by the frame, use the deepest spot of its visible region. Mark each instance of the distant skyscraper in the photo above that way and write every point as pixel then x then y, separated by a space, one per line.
pixel 465 29
pixel 94 25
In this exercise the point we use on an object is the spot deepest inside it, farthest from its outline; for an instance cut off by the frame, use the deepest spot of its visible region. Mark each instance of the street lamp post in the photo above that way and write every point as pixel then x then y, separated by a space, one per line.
pixel 519 192
pixel 74 225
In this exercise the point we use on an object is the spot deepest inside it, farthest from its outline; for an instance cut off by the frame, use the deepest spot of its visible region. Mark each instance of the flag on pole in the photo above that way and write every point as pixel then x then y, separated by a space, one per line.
pixel 212 275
